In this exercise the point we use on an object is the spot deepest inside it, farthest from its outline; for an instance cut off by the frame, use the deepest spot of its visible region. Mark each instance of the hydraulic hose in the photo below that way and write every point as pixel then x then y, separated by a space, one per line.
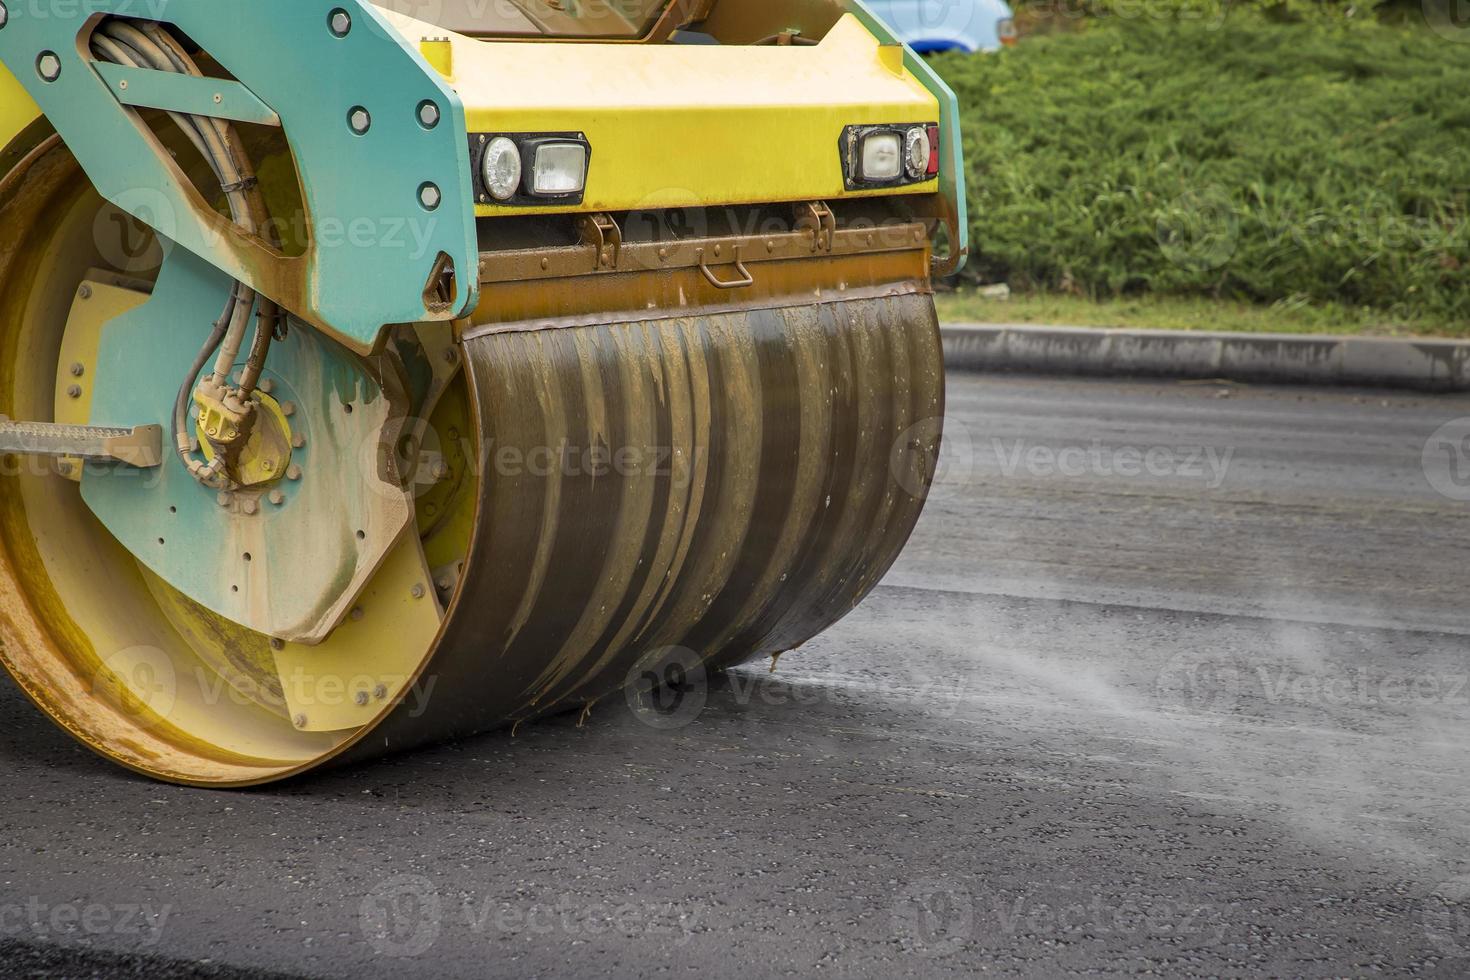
pixel 149 45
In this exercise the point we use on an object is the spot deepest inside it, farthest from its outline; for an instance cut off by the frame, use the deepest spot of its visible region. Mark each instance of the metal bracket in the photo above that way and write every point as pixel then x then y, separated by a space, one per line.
pixel 215 97
pixel 817 219
pixel 140 446
pixel 602 232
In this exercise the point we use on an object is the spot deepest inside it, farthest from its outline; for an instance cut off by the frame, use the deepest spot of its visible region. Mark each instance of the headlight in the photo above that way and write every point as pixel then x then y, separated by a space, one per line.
pixel 916 152
pixel 502 168
pixel 531 169
pixel 881 157
pixel 558 169
pixel 890 156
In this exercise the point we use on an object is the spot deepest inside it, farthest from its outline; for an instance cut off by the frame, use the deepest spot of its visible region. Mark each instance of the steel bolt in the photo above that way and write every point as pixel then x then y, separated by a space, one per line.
pixel 48 66
pixel 224 499
pixel 4 15
pixel 78 369
pixel 63 468
pixel 361 698
pixel 340 22
pixel 288 409
pixel 430 197
pixel 85 292
pixel 249 506
pixel 300 721
pixel 439 470
pixel 380 692
pixel 418 592
pixel 267 385
pixel 360 120
pixel 357 614
pixel 450 356
pixel 75 391
pixel 293 472
pixel 277 497
pixel 277 644
pixel 429 115
pixel 298 440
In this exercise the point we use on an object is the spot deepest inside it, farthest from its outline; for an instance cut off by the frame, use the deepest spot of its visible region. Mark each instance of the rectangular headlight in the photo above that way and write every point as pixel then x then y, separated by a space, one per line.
pixel 882 156
pixel 559 169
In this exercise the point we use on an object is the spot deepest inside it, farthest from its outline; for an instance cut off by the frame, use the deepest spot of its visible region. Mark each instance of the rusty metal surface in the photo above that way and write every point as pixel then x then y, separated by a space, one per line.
pixel 673 278
pixel 730 484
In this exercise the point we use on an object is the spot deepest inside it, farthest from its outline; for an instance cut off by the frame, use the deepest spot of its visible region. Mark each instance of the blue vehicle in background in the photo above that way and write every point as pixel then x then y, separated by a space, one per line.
pixel 949 25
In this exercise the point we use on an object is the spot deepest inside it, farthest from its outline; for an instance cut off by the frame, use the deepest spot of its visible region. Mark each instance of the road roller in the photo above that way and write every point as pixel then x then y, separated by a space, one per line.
pixel 374 374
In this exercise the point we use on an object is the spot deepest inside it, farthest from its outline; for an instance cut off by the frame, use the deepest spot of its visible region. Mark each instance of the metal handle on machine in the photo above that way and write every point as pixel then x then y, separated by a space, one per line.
pixel 140 446
pixel 746 278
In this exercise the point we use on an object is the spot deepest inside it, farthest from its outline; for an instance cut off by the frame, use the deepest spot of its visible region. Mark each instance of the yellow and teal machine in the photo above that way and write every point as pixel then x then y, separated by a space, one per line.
pixel 376 374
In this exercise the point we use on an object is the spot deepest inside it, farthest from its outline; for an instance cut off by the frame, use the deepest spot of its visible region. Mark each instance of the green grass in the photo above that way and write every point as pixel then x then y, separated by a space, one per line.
pixel 1183 313
pixel 1321 167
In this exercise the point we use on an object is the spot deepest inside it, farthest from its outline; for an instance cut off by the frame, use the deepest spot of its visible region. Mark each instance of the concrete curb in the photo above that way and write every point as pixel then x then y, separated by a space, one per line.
pixel 1426 365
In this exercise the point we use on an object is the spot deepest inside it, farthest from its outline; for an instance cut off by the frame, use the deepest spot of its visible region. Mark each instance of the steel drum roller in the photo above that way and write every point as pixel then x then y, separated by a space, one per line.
pixel 730 484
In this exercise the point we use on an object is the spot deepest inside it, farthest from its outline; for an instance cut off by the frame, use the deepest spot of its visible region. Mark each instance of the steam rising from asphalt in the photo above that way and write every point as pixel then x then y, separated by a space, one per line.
pixel 1309 727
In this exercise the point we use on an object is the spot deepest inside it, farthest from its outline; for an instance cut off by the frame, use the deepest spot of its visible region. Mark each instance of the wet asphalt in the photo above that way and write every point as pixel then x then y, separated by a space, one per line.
pixel 1173 678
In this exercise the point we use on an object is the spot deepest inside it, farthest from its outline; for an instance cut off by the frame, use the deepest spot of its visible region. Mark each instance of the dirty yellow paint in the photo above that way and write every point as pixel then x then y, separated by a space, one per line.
pixel 96 303
pixel 17 109
pixel 675 125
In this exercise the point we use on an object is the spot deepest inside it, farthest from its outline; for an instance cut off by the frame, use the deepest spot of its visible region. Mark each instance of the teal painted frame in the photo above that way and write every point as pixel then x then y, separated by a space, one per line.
pixel 216 97
pixel 952 172
pixel 374 269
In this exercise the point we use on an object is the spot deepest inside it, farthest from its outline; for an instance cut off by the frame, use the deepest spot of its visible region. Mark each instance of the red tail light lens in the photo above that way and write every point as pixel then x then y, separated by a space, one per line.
pixel 933 151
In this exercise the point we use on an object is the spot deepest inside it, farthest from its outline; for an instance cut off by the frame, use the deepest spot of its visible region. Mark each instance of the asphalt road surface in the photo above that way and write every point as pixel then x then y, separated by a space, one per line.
pixel 1172 678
